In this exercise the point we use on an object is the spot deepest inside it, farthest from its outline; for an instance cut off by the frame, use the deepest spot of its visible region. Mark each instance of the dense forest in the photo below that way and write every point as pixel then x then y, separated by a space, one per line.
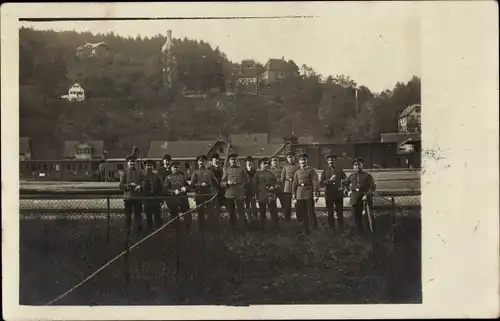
pixel 126 102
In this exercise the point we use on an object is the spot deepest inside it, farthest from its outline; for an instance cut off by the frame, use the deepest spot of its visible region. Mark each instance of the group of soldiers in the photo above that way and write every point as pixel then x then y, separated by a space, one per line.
pixel 239 189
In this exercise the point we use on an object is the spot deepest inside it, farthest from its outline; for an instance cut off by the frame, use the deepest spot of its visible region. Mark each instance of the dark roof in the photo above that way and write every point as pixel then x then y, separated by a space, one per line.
pixel 408 110
pixel 251 139
pixel 97 148
pixel 180 149
pixel 24 145
pixel 398 137
pixel 266 150
pixel 276 64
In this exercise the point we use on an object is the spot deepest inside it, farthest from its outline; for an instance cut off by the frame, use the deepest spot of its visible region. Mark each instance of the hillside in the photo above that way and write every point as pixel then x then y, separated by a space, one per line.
pixel 127 104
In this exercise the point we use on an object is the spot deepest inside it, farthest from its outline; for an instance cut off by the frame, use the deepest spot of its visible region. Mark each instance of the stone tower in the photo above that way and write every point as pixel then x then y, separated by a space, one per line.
pixel 167 60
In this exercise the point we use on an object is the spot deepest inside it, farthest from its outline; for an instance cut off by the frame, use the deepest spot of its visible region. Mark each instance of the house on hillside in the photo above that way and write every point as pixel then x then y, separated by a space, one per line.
pixel 408 137
pixel 409 119
pixel 84 150
pixel 24 148
pixel 97 50
pixel 278 69
pixel 75 93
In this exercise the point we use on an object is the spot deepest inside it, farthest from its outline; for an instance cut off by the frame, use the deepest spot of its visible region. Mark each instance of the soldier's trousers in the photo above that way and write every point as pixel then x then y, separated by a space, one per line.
pixel 336 204
pixel 133 207
pixel 357 214
pixel 180 206
pixel 251 206
pixel 305 211
pixel 273 210
pixel 287 205
pixel 205 211
pixel 152 209
pixel 231 205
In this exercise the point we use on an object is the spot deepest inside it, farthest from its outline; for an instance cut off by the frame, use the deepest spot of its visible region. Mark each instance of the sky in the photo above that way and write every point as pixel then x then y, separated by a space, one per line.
pixel 376 45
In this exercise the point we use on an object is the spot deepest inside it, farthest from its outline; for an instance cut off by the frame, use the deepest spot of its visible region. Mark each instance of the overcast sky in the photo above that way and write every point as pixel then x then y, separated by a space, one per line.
pixel 376 45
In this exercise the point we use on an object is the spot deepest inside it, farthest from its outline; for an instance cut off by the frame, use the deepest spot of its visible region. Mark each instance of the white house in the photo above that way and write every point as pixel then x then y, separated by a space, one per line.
pixel 75 93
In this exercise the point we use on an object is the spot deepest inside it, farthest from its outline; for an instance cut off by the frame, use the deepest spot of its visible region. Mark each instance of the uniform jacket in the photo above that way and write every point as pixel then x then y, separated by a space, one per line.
pixel 277 173
pixel 163 172
pixel 152 184
pixel 249 186
pixel 128 177
pixel 359 184
pixel 287 177
pixel 175 181
pixel 204 176
pixel 262 181
pixel 218 172
pixel 239 177
pixel 305 183
pixel 333 189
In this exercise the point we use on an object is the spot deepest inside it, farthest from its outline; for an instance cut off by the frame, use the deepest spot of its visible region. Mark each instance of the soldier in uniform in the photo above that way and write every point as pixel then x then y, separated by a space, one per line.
pixel 152 186
pixel 359 184
pixel 177 186
pixel 266 185
pixel 286 181
pixel 276 169
pixel 234 179
pixel 331 179
pixel 250 202
pixel 218 171
pixel 304 188
pixel 205 183
pixel 164 169
pixel 130 184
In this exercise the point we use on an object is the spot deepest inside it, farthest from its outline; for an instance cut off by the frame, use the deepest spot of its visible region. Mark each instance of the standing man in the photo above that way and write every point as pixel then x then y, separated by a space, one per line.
pixel 152 186
pixel 234 179
pixel 286 181
pixel 250 202
pixel 218 171
pixel 164 169
pixel 359 184
pixel 130 184
pixel 266 185
pixel 331 179
pixel 176 185
pixel 204 183
pixel 304 189
pixel 276 169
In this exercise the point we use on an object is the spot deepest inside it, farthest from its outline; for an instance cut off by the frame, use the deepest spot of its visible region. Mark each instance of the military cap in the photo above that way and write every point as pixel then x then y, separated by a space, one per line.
pixel 203 157
pixel 275 157
pixel 174 163
pixel 357 161
pixel 249 159
pixel 149 161
pixel 290 153
pixel 167 157
pixel 303 155
pixel 233 155
pixel 216 156
pixel 131 157
pixel 263 159
pixel 331 156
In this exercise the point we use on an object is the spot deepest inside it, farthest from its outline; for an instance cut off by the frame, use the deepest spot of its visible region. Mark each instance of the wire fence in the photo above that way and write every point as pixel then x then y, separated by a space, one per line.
pixel 116 262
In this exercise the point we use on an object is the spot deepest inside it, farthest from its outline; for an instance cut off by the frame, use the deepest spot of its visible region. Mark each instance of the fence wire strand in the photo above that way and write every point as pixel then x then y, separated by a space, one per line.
pixel 73 288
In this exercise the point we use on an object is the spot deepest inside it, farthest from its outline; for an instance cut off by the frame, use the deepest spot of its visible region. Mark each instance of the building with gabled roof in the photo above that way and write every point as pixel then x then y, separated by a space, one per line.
pixel 278 69
pixel 91 149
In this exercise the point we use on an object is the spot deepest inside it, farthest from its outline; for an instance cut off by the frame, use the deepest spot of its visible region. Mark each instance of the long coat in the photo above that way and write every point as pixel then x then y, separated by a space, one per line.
pixel 333 188
pixel 359 184
pixel 129 177
pixel 287 177
pixel 239 178
pixel 265 185
pixel 305 183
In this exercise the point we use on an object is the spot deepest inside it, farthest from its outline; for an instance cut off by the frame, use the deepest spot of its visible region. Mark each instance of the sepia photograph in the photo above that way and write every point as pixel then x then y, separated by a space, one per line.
pixel 232 160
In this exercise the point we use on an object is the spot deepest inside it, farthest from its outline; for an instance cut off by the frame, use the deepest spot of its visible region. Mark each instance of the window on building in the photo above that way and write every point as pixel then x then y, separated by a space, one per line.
pixel 58 167
pixel 45 167
pixel 221 150
pixel 86 150
pixel 80 166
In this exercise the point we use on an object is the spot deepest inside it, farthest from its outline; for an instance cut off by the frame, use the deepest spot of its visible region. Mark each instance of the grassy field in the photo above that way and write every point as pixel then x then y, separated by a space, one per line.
pixel 224 267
